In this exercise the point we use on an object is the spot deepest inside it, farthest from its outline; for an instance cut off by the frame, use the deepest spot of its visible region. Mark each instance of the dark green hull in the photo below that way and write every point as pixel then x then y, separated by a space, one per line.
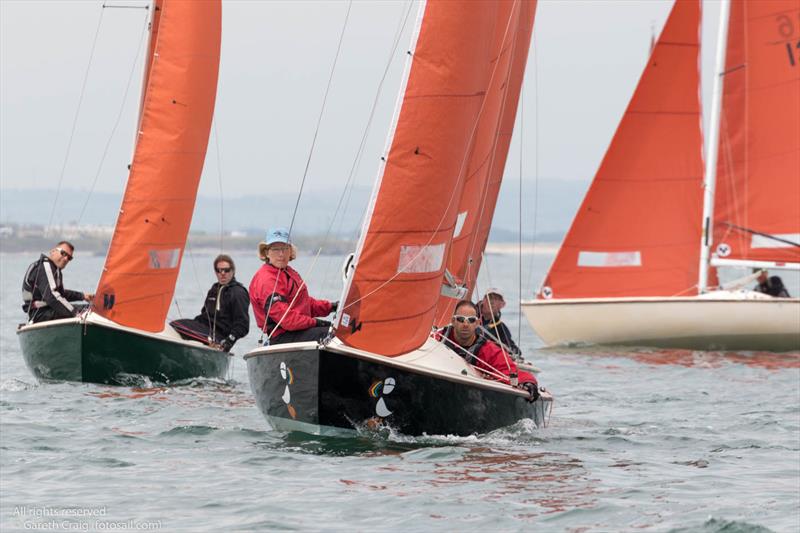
pixel 67 350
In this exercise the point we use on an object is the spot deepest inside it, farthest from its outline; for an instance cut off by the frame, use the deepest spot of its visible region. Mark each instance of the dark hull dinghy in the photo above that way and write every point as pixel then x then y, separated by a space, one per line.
pixel 95 350
pixel 125 332
pixel 333 389
pixel 421 247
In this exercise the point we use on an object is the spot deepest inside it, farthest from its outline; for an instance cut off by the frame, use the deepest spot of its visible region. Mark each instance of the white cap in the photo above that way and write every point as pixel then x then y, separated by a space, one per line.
pixel 495 290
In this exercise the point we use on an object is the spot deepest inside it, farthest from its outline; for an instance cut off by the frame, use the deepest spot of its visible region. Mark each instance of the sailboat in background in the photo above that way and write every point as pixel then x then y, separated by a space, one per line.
pixel 637 267
pixel 124 333
pixel 419 248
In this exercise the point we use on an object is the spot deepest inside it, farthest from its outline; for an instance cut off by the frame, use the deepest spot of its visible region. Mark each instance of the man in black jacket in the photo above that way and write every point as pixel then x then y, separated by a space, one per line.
pixel 43 294
pixel 225 317
pixel 490 307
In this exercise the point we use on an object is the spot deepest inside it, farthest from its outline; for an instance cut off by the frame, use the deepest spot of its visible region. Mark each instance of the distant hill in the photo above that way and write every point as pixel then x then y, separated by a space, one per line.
pixel 552 213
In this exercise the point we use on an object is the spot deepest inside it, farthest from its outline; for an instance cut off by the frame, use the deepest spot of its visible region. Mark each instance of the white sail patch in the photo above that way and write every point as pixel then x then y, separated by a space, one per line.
pixel 417 259
pixel 462 217
pixel 762 241
pixel 609 259
pixel 164 258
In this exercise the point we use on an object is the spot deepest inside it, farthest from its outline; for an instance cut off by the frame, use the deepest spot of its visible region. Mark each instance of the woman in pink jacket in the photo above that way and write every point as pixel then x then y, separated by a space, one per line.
pixel 280 299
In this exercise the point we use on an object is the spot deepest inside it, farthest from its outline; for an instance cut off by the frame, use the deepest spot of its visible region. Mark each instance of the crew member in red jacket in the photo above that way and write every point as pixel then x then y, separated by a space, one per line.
pixel 280 299
pixel 463 337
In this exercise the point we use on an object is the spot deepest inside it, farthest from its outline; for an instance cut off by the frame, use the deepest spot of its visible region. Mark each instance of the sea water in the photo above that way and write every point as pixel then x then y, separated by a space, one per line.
pixel 639 439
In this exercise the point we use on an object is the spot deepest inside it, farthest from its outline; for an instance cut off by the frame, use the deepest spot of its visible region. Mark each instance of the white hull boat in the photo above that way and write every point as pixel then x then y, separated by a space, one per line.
pixel 641 262
pixel 722 320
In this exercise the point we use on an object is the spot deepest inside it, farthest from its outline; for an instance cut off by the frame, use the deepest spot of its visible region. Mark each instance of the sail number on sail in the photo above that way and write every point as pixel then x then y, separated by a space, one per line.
pixel 786 29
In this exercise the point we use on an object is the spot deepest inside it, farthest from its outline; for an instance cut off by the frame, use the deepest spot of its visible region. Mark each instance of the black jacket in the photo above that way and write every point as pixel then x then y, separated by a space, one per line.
pixel 774 287
pixel 226 311
pixel 500 334
pixel 43 292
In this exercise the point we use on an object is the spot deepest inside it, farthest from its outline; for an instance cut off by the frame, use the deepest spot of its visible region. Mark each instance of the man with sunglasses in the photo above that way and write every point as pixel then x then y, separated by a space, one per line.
pixel 465 338
pixel 43 294
pixel 489 311
pixel 225 317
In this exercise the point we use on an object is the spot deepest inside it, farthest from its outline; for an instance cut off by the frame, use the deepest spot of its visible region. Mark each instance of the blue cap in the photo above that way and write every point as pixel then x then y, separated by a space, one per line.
pixel 277 235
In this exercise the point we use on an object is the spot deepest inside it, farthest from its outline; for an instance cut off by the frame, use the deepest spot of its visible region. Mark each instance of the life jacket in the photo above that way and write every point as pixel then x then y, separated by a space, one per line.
pixel 473 350
pixel 29 283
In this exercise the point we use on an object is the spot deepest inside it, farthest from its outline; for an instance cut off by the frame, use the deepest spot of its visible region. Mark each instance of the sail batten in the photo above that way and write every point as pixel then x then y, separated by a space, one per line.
pixel 174 126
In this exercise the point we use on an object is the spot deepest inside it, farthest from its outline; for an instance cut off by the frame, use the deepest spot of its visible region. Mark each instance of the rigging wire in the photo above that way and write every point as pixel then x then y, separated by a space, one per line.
pixel 194 271
pixel 219 180
pixel 519 229
pixel 360 152
pixel 308 163
pixel 464 353
pixel 321 113
pixel 347 191
pixel 117 122
pixel 535 163
pixel 348 188
pixel 75 122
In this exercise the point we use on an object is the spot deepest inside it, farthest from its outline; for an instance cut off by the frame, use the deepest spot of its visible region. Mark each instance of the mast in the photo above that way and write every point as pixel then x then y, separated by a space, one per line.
pixel 710 181
pixel 152 37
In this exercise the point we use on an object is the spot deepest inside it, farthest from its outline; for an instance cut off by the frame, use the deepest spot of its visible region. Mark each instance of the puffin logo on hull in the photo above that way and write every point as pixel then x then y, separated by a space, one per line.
pixel 288 376
pixel 379 389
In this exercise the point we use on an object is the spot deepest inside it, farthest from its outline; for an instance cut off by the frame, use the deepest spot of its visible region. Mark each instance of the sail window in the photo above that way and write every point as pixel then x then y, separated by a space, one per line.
pixel 610 259
pixel 462 217
pixel 164 258
pixel 417 259
pixel 763 241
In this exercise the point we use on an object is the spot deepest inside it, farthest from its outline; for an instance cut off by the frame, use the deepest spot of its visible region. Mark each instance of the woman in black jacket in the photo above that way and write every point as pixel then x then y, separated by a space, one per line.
pixel 225 317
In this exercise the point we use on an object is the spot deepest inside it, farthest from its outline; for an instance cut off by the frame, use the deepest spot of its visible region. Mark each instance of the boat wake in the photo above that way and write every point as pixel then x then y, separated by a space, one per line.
pixel 15 385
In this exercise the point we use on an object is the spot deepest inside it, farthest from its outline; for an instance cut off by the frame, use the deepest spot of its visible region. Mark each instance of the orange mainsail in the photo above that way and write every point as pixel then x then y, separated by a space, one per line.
pixel 637 232
pixel 757 200
pixel 144 258
pixel 487 158
pixel 392 296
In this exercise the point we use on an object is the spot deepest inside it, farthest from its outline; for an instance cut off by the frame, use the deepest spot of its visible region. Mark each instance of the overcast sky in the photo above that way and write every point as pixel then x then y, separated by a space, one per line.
pixel 276 59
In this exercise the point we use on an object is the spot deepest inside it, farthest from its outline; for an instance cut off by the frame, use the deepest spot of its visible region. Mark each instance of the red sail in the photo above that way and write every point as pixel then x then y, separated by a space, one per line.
pixel 487 158
pixel 144 258
pixel 393 293
pixel 757 201
pixel 637 231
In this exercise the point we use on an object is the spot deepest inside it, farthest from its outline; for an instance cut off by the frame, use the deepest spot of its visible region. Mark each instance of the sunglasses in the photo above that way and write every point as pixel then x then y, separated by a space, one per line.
pixel 279 249
pixel 64 253
pixel 223 270
pixel 461 319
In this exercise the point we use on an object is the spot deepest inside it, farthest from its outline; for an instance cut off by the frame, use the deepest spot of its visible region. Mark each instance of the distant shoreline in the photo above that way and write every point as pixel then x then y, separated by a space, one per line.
pixel 210 245
pixel 513 248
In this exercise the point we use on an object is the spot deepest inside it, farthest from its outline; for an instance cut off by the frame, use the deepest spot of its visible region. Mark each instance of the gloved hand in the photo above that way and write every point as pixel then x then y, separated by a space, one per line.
pixel 533 390
pixel 334 306
pixel 322 323
pixel 227 343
